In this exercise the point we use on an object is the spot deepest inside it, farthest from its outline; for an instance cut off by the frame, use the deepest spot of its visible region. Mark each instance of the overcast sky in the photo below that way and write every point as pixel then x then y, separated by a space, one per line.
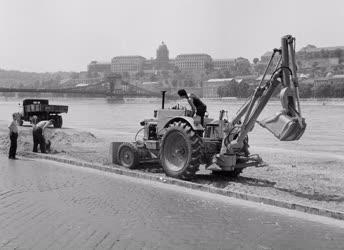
pixel 53 35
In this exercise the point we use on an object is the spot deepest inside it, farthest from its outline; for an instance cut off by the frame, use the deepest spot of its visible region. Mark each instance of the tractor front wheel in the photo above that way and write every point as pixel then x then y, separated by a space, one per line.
pixel 180 154
pixel 128 155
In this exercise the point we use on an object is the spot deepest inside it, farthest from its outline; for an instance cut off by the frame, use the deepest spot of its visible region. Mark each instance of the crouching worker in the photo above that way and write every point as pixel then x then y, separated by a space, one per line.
pixel 38 134
pixel 197 106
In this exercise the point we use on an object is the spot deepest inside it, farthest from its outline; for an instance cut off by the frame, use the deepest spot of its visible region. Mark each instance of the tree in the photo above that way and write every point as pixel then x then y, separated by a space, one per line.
pixel 323 90
pixel 153 78
pixel 174 83
pixel 243 89
pixel 139 75
pixel 125 75
pixel 259 68
pixel 338 90
pixel 242 66
pixel 176 70
pixel 232 89
pixel 219 75
pixel 306 90
pixel 255 60
pixel 209 67
pixel 338 53
pixel 227 73
pixel 222 91
pixel 165 74
pixel 36 84
pixel 74 75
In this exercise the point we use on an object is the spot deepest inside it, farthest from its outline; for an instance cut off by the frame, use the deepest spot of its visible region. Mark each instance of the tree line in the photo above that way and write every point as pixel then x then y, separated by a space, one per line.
pixel 327 90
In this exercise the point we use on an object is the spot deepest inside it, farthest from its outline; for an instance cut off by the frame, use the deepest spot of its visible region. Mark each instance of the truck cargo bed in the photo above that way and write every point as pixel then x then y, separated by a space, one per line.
pixel 46 108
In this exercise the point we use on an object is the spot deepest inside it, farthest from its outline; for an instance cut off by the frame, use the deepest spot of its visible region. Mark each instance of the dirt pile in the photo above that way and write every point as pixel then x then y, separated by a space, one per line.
pixel 60 138
pixel 69 137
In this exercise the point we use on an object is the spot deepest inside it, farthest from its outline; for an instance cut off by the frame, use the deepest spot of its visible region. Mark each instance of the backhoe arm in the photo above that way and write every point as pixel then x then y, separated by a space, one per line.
pixel 288 125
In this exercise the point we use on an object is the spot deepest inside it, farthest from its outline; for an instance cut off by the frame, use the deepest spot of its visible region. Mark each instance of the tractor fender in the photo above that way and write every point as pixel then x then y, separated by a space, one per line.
pixel 188 120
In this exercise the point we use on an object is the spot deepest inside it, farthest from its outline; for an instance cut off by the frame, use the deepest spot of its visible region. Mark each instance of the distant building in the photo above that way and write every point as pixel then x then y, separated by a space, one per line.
pixel 162 57
pixel 210 87
pixel 99 67
pixel 149 66
pixel 313 57
pixel 322 51
pixel 223 63
pixel 331 79
pixel 192 62
pixel 266 57
pixel 130 64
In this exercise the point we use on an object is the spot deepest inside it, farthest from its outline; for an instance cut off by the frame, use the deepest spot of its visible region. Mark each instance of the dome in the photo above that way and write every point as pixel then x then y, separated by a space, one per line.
pixel 162 46
pixel 162 57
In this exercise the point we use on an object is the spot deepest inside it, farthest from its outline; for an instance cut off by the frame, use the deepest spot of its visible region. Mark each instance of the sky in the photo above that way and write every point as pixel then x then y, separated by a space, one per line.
pixel 65 35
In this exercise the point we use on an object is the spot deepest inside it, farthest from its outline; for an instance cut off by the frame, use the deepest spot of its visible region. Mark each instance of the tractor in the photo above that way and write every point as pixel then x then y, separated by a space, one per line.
pixel 181 144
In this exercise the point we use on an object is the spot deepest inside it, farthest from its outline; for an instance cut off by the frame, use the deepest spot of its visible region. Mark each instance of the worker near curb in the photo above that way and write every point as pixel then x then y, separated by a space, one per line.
pixel 13 127
pixel 197 106
pixel 38 134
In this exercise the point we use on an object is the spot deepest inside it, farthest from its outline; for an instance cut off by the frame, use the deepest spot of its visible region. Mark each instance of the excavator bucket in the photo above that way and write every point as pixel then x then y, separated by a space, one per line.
pixel 284 127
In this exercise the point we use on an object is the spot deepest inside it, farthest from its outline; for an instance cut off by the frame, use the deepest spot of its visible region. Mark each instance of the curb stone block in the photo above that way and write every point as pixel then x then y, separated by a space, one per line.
pixel 284 204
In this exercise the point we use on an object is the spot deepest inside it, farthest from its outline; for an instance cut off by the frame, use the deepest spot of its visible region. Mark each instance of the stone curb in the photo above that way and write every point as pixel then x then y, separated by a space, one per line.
pixel 269 201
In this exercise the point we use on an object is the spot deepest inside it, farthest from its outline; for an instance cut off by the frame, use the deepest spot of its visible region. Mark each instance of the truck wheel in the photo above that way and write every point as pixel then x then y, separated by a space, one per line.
pixel 58 122
pixel 180 154
pixel 128 155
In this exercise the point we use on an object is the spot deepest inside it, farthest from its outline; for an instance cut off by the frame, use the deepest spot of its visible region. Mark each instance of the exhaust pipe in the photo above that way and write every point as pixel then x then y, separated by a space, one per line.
pixel 163 99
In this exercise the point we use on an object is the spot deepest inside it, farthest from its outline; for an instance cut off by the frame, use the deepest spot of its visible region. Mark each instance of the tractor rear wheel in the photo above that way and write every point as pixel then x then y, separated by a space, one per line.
pixel 180 154
pixel 128 155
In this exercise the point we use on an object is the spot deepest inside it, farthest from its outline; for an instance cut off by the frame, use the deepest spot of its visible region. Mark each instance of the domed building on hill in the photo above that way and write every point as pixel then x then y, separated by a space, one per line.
pixel 162 57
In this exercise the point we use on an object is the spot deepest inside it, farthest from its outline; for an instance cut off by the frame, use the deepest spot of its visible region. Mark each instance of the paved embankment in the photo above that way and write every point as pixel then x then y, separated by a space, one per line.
pixel 244 196
pixel 57 206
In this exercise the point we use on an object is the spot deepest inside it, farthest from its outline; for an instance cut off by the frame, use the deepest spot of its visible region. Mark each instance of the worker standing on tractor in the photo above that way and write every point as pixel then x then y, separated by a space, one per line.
pixel 197 106
pixel 38 134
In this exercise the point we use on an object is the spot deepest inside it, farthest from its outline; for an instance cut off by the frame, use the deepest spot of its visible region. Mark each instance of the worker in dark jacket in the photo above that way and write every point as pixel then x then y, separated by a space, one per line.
pixel 13 127
pixel 38 134
pixel 197 106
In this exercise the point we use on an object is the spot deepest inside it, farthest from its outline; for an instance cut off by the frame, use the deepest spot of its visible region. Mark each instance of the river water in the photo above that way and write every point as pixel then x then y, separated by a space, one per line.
pixel 324 133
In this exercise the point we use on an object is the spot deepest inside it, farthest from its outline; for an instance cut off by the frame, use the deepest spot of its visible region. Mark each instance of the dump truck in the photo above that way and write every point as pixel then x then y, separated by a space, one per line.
pixel 43 110
pixel 180 143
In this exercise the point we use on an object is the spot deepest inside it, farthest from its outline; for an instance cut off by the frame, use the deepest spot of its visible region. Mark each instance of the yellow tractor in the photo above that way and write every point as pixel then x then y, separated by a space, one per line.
pixel 181 144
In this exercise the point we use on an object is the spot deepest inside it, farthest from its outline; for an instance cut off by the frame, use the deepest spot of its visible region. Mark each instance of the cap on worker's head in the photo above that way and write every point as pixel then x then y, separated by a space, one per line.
pixel 182 93
pixel 34 119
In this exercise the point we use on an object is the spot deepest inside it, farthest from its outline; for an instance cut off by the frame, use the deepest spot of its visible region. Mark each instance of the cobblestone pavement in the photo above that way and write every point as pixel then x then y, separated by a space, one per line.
pixel 45 205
